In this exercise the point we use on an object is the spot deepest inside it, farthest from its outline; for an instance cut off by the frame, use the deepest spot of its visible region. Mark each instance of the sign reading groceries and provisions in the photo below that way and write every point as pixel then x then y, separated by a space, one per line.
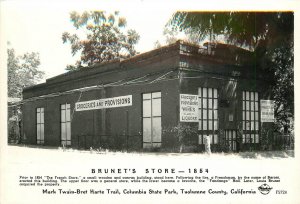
pixel 267 111
pixel 188 108
pixel 115 102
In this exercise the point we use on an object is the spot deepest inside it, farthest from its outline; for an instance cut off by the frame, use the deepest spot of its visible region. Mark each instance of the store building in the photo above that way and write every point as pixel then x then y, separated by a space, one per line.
pixel 169 99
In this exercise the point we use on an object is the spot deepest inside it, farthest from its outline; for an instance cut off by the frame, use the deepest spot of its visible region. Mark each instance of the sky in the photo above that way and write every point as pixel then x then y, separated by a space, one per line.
pixel 38 27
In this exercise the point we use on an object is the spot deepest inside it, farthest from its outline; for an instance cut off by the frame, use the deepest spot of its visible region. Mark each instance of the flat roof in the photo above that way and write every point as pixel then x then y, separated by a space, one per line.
pixel 180 47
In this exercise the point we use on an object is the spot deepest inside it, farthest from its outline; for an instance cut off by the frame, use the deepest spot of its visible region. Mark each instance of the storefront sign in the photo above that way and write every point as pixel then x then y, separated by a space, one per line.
pixel 267 111
pixel 115 102
pixel 188 108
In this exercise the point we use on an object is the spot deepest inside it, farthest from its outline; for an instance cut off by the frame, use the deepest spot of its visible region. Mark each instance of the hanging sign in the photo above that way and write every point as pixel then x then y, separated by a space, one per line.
pixel 188 108
pixel 267 111
pixel 115 102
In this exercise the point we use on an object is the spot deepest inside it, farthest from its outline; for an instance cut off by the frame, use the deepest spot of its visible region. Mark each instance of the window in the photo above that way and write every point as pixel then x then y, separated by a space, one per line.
pixel 250 117
pixel 65 124
pixel 152 119
pixel 183 63
pixel 40 135
pixel 208 114
pixel 230 138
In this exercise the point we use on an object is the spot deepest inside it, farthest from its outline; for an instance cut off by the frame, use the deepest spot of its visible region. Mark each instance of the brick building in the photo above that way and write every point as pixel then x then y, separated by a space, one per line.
pixel 168 99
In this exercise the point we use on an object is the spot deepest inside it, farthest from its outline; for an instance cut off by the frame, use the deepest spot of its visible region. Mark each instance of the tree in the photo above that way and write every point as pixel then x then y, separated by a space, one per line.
pixel 22 71
pixel 283 89
pixel 171 36
pixel 238 28
pixel 269 34
pixel 105 38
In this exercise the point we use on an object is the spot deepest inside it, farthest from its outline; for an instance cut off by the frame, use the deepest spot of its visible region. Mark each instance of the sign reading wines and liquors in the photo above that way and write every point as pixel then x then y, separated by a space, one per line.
pixel 115 102
pixel 267 111
pixel 188 108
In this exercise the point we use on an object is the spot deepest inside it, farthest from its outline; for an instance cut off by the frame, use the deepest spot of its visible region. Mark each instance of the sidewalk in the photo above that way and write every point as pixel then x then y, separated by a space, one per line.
pixel 246 155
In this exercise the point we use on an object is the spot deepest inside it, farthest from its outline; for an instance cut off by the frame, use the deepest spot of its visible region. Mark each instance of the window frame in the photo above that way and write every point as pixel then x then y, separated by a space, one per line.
pixel 153 115
pixel 40 125
pixel 67 139
pixel 250 117
pixel 208 113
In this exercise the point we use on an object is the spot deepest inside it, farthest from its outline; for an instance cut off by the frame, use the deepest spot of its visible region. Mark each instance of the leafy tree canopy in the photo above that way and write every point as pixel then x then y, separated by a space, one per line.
pixel 22 71
pixel 105 38
pixel 172 35
pixel 239 28
pixel 269 34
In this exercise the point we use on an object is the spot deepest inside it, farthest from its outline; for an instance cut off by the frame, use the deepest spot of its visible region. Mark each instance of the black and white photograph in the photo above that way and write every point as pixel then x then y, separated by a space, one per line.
pixel 148 102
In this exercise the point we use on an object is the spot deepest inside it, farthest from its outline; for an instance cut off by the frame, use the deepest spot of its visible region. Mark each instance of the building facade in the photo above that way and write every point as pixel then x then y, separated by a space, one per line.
pixel 169 99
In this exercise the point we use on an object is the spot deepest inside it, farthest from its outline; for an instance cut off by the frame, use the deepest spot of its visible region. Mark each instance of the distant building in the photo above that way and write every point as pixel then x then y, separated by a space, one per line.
pixel 168 99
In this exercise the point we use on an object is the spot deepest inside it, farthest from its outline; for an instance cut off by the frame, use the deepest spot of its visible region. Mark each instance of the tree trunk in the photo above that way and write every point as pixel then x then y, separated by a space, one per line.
pixel 207 144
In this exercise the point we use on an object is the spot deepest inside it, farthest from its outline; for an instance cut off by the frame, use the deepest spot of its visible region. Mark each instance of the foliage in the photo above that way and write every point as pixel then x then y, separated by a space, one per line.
pixel 183 133
pixel 239 28
pixel 269 34
pixel 283 89
pixel 22 71
pixel 171 36
pixel 105 38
